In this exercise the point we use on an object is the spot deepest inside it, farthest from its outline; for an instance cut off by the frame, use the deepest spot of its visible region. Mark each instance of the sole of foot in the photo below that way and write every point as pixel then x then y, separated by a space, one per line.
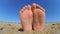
pixel 26 17
pixel 38 17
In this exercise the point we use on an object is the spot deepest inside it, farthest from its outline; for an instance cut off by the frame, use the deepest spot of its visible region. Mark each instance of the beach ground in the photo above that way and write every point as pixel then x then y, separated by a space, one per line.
pixel 15 28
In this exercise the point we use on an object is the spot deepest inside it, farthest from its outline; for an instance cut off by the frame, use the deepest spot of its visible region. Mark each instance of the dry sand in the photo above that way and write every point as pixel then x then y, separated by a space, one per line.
pixel 14 28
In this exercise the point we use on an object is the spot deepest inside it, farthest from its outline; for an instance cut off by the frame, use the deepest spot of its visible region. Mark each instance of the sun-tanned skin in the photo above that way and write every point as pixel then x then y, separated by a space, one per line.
pixel 26 17
pixel 38 17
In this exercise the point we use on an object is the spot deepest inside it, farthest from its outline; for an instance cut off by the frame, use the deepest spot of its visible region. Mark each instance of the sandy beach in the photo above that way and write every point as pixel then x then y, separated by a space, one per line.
pixel 15 28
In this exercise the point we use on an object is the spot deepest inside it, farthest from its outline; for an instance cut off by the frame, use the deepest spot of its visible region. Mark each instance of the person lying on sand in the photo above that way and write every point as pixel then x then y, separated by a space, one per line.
pixel 32 17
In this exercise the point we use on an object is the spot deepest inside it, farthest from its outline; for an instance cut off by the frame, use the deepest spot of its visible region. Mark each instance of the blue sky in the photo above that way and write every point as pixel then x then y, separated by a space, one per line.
pixel 9 9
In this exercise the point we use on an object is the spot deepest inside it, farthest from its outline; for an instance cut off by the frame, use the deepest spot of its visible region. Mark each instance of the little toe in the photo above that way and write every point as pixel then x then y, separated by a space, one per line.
pixel 29 7
pixel 20 12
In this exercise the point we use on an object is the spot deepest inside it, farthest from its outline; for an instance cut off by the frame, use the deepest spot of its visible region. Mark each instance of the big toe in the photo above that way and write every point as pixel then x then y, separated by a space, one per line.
pixel 33 5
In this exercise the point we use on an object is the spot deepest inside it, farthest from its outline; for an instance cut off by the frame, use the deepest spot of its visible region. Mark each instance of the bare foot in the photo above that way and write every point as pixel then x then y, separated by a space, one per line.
pixel 26 17
pixel 38 17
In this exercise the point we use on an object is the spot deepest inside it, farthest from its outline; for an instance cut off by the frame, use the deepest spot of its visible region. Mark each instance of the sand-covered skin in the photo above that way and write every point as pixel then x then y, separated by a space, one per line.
pixel 14 28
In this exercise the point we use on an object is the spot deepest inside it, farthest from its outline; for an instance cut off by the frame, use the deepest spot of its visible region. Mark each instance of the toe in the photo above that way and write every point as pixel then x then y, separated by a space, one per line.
pixel 29 7
pixel 33 6
pixel 19 12
pixel 39 7
pixel 24 8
